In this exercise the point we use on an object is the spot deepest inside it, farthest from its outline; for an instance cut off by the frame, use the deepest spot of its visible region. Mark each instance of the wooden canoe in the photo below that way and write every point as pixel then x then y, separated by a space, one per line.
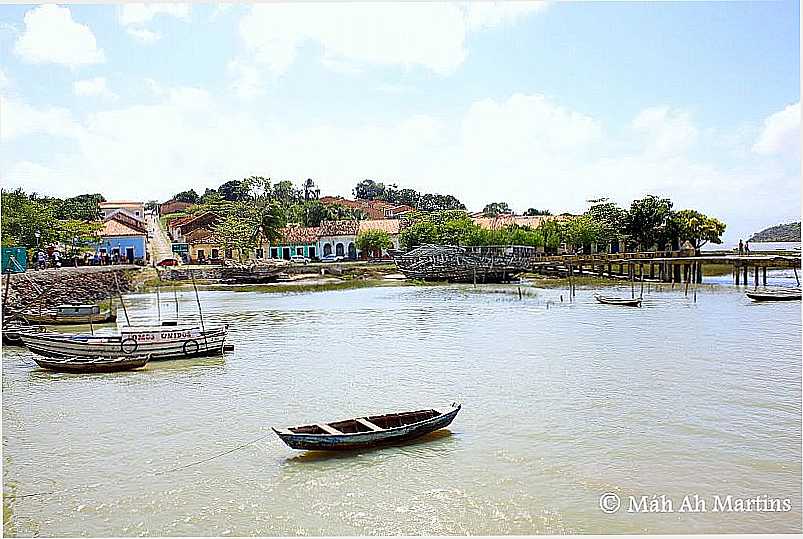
pixel 369 431
pixel 787 294
pixel 70 315
pixel 93 365
pixel 609 300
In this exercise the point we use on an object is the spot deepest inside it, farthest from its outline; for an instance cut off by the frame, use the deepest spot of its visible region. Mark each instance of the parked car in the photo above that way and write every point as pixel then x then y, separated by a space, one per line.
pixel 299 259
pixel 167 262
pixel 332 258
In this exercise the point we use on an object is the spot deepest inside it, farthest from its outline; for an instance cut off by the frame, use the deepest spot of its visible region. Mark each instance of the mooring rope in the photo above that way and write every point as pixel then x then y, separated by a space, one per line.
pixel 155 474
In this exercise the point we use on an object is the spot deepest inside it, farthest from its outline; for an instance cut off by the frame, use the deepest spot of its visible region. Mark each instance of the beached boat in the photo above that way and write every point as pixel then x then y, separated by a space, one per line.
pixel 93 365
pixel 610 300
pixel 70 314
pixel 12 331
pixel 367 431
pixel 159 342
pixel 780 294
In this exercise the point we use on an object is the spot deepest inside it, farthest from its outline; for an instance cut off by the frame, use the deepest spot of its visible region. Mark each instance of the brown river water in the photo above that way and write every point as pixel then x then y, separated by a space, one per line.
pixel 562 402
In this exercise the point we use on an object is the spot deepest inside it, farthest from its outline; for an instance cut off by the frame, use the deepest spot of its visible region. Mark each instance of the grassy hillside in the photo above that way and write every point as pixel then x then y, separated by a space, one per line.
pixel 787 232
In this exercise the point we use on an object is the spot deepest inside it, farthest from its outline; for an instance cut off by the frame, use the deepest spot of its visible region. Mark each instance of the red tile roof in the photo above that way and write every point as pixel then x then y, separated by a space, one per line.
pixel 113 227
pixel 298 235
pixel 391 226
pixel 339 228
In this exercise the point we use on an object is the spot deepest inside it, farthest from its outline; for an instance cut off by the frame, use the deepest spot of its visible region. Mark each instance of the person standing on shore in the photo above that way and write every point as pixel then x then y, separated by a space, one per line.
pixel 741 247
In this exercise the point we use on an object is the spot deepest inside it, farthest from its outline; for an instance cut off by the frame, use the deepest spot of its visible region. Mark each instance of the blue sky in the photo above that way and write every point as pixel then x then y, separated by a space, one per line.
pixel 539 105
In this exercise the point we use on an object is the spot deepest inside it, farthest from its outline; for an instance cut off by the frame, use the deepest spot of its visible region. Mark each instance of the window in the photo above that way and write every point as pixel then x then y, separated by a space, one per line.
pixel 201 254
pixel 327 249
pixel 300 251
pixel 228 253
pixel 215 253
pixel 260 253
pixel 274 252
pixel 339 251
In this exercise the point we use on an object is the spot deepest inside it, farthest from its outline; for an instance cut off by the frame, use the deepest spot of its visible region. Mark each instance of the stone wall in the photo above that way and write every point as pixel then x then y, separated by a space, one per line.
pixel 66 285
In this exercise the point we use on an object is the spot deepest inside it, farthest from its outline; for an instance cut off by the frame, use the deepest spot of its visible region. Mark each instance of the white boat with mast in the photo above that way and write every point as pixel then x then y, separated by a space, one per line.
pixel 166 340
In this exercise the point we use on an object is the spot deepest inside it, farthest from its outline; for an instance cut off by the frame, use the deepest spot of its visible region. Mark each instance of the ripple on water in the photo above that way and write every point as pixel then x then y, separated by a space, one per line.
pixel 562 401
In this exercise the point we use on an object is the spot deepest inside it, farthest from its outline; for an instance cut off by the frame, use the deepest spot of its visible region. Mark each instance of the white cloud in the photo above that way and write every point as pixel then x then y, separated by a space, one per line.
pixel 527 149
pixel 137 14
pixel 18 119
pixel 52 36
pixel 665 131
pixel 781 132
pixel 431 35
pixel 247 79
pixel 96 87
pixel 144 35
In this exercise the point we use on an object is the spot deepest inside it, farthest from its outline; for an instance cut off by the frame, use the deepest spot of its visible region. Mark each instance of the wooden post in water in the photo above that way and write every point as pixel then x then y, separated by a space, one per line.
pixel 696 272
pixel 755 275
pixel 632 271
pixel 736 270
pixel 744 272
pixel 796 278
pixel 764 275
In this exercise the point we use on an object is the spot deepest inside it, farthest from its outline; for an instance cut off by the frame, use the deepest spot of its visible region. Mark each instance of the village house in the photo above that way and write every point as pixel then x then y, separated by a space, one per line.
pixel 374 209
pixel 133 209
pixel 338 238
pixel 180 227
pixel 391 226
pixel 123 237
pixel 173 206
pixel 204 248
pixel 293 240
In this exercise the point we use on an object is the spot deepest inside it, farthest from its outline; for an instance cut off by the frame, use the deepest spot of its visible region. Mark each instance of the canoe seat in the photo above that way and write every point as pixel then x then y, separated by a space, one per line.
pixel 368 424
pixel 326 428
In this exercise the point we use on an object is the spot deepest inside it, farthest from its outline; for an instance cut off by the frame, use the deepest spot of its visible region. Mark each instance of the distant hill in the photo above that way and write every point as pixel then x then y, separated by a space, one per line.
pixel 787 232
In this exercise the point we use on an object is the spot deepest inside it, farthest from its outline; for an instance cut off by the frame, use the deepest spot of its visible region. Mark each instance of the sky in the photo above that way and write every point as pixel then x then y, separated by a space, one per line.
pixel 544 105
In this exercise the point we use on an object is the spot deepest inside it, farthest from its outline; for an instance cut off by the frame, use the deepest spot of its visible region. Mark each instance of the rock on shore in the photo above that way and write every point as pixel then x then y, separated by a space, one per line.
pixel 66 285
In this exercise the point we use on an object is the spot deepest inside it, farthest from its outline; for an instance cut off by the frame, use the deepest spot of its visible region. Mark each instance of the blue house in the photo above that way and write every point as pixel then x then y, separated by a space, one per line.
pixel 123 237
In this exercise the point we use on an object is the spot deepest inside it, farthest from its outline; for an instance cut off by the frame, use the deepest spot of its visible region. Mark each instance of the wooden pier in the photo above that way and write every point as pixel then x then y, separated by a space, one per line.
pixel 500 263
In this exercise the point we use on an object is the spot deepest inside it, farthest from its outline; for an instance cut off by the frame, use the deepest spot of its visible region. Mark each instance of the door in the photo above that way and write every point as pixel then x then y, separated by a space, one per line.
pixel 286 253
pixel 312 253
pixel 129 254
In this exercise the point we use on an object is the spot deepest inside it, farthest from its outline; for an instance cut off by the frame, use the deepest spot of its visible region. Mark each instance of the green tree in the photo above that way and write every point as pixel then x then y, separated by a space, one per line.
pixel 534 212
pixel 496 208
pixel 369 190
pixel 611 219
pixel 233 191
pixel 23 216
pixel 83 207
pixel 646 222
pixel 369 241
pixel 698 228
pixel 186 196
pixel 78 234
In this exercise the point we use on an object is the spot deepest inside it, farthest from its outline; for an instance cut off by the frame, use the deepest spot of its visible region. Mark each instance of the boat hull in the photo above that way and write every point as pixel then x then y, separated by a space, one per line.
pixel 66 346
pixel 360 440
pixel 758 296
pixel 635 302
pixel 86 366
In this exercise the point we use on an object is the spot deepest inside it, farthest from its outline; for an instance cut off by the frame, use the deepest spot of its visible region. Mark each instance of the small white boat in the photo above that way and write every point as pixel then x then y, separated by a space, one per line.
pixel 70 314
pixel 158 342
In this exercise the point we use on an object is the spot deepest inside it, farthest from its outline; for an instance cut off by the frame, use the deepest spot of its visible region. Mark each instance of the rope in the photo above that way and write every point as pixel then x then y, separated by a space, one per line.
pixel 155 474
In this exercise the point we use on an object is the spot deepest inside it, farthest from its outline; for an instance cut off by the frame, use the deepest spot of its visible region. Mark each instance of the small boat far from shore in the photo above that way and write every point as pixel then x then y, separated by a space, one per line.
pixel 610 300
pixel 368 431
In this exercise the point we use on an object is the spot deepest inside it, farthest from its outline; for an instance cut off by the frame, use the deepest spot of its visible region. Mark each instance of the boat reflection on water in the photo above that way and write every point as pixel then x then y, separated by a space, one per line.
pixel 431 444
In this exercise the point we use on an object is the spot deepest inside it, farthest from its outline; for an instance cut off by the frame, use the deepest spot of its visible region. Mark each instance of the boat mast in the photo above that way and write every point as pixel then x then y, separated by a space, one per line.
pixel 175 298
pixel 158 305
pixel 200 311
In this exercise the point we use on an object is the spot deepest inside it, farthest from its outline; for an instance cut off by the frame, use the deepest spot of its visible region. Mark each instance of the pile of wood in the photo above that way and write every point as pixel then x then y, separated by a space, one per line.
pixel 487 264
